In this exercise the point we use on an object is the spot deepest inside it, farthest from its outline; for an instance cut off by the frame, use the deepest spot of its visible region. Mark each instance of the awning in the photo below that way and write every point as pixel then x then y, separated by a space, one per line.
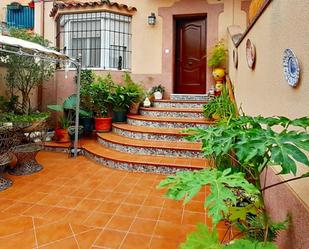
pixel 30 46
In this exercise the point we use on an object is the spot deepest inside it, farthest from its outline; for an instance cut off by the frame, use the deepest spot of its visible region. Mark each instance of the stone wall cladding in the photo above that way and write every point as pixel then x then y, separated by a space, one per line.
pixel 190 97
pixel 151 151
pixel 172 114
pixel 164 124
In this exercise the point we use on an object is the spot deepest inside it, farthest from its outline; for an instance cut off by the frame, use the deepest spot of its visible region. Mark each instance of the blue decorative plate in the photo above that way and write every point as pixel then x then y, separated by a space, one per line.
pixel 291 67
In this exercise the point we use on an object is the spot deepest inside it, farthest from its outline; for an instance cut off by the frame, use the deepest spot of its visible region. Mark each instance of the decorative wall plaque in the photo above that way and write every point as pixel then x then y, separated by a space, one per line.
pixel 291 67
pixel 251 54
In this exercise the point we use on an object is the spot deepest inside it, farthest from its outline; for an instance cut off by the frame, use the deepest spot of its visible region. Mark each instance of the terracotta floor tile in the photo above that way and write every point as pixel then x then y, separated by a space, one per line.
pixel 97 219
pixel 88 205
pixel 167 230
pixel 194 206
pixel 121 223
pixel 154 201
pixel 190 218
pixel 135 199
pixel 108 207
pixel 161 243
pixel 110 239
pixel 149 213
pixel 77 228
pixel 172 204
pixel 25 240
pixel 143 226
pixel 4 204
pixel 80 193
pixel 171 215
pixel 34 197
pixel 76 216
pixel 86 239
pixel 69 202
pixel 98 195
pixel 116 197
pixel 15 225
pixel 53 232
pixel 128 210
pixel 134 241
pixel 51 199
pixel 37 210
pixel 69 243
pixel 56 213
pixel 18 207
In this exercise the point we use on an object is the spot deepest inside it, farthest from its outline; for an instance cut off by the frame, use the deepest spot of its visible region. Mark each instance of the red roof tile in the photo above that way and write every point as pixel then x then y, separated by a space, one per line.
pixel 77 4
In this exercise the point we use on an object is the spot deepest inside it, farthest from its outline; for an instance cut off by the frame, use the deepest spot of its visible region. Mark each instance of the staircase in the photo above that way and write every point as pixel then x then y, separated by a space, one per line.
pixel 152 141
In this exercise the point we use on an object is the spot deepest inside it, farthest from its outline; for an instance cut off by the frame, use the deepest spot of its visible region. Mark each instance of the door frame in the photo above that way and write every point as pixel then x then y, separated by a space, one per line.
pixel 177 18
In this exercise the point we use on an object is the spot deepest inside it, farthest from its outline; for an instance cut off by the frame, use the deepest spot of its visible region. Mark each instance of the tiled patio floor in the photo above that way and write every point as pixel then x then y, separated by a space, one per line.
pixel 80 204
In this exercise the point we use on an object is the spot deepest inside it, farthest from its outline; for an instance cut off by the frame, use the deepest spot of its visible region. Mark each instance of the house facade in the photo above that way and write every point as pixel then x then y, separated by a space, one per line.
pixel 113 37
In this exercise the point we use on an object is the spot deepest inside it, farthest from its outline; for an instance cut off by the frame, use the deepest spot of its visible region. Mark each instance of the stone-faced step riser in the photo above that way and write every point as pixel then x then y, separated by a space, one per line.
pixel 151 151
pixel 148 136
pixel 165 124
pixel 172 114
pixel 190 97
pixel 177 105
pixel 133 167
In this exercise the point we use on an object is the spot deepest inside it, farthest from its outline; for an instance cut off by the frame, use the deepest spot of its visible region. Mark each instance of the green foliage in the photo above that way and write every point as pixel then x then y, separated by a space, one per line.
pixel 64 122
pixel 218 55
pixel 30 118
pixel 185 185
pixel 254 227
pixel 158 88
pixel 250 244
pixel 87 77
pixel 25 73
pixel 136 90
pixel 202 238
pixel 257 142
pixel 221 106
pixel 122 98
pixel 99 96
pixel 9 105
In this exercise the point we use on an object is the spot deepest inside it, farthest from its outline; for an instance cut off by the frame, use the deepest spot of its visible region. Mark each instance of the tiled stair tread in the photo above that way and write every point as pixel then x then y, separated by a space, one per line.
pixel 171 120
pixel 158 109
pixel 118 139
pixel 114 155
pixel 181 101
pixel 153 130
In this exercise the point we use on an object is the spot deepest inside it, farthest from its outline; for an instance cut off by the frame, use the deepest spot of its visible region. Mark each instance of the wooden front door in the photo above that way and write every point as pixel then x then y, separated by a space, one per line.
pixel 190 68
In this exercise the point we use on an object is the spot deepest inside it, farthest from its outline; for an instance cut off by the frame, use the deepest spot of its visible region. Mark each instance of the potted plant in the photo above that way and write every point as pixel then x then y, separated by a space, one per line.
pixel 100 99
pixel 67 119
pixel 121 100
pixel 137 92
pixel 158 92
pixel 86 120
pixel 217 60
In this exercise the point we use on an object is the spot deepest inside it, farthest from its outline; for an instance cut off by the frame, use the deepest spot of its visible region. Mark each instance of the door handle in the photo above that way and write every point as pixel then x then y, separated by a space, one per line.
pixel 190 63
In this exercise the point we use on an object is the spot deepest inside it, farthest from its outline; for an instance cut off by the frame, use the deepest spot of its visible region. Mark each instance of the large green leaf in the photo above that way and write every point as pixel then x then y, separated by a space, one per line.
pixel 249 244
pixel 202 238
pixel 185 185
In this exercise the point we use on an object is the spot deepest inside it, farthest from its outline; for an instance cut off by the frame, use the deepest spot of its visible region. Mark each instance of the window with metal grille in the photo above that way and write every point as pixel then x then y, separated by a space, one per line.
pixel 103 39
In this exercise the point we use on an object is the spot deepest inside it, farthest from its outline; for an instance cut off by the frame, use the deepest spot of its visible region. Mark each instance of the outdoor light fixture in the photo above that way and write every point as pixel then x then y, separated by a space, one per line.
pixel 152 19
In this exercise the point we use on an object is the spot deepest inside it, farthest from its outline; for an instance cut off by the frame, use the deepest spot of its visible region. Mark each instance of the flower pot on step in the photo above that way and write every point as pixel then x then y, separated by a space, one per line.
pixel 158 95
pixel 134 108
pixel 103 124
pixel 120 116
pixel 87 123
pixel 62 135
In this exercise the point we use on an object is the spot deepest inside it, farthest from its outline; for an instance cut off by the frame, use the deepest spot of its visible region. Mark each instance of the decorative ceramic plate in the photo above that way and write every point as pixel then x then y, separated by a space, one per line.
pixel 251 54
pixel 235 57
pixel 291 67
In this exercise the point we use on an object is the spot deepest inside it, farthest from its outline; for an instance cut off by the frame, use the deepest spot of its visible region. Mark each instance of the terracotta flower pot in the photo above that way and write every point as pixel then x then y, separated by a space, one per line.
pixel 134 108
pixel 62 135
pixel 103 124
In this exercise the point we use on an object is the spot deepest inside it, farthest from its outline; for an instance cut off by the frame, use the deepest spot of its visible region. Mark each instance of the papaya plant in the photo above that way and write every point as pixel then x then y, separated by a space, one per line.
pixel 249 145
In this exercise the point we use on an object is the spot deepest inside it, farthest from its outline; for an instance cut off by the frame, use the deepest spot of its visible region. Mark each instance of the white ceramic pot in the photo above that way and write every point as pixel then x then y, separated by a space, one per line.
pixel 147 103
pixel 158 95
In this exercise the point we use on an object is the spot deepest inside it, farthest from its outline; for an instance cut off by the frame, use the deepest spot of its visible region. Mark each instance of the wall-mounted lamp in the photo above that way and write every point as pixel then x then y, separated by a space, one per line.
pixel 152 19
